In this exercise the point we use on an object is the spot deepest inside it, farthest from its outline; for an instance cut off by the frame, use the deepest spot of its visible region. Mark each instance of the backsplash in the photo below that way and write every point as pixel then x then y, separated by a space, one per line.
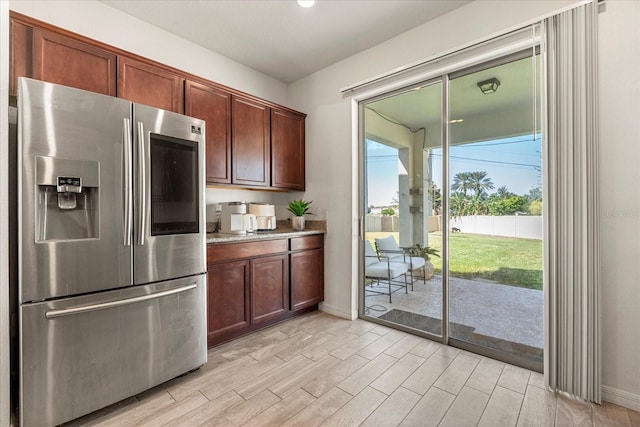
pixel 215 196
pixel 309 224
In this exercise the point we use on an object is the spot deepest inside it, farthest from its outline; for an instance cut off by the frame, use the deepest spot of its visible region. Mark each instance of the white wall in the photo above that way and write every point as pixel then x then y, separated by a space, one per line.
pixel 619 75
pixel 329 123
pixel 331 141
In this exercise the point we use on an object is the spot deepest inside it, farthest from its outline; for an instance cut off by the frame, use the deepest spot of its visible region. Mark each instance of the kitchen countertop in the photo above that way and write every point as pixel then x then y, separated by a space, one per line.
pixel 279 233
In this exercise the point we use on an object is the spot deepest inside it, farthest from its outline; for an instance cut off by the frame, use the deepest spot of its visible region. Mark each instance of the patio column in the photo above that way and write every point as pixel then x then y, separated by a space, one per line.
pixel 404 197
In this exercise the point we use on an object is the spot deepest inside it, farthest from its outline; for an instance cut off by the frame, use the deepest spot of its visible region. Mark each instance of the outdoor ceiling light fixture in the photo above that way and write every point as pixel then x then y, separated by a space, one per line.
pixel 489 86
pixel 306 3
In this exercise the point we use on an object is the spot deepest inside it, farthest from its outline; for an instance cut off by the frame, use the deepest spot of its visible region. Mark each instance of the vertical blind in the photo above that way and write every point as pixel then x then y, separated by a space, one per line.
pixel 572 342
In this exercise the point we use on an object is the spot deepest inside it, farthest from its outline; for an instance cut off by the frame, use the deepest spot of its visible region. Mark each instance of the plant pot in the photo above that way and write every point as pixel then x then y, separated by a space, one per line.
pixel 297 223
pixel 428 270
pixel 427 274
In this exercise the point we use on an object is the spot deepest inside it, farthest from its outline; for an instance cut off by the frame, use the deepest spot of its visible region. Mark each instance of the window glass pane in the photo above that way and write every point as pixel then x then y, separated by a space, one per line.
pixel 174 186
pixel 495 215
pixel 403 236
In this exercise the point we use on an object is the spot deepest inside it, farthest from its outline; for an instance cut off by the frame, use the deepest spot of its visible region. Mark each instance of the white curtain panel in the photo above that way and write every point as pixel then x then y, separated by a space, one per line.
pixel 572 343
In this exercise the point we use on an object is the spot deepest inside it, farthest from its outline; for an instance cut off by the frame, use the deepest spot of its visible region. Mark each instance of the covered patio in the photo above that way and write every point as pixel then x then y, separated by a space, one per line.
pixel 482 312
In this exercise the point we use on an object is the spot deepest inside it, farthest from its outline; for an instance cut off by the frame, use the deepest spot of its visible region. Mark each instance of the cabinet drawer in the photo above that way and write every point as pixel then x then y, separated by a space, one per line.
pixel 228 251
pixel 307 242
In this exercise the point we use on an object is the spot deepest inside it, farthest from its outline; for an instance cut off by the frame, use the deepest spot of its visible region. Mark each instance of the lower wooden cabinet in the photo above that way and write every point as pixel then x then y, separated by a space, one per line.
pixel 307 278
pixel 307 271
pixel 255 284
pixel 269 288
pixel 228 298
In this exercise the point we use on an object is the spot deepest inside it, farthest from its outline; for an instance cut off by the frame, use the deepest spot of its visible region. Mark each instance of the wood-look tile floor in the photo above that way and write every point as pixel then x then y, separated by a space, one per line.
pixel 322 370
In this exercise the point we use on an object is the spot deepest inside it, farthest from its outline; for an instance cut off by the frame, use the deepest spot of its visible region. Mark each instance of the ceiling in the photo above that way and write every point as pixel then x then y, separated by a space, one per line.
pixel 481 116
pixel 288 42
pixel 280 38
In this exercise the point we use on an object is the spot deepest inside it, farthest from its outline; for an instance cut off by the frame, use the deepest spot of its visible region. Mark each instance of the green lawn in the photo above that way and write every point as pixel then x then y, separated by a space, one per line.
pixel 507 260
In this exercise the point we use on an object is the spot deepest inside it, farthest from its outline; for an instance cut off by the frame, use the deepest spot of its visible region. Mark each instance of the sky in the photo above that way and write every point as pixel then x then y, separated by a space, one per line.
pixel 382 173
pixel 511 162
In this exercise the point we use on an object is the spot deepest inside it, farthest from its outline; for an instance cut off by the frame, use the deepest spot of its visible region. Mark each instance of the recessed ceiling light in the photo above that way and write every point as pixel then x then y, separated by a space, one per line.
pixel 456 121
pixel 306 3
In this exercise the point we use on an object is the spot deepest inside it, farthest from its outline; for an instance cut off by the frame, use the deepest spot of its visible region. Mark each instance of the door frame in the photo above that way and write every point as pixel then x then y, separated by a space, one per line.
pixel 362 174
pixel 393 90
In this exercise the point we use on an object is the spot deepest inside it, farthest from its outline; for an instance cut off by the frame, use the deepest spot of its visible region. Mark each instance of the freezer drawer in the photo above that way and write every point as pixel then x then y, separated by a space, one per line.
pixel 83 353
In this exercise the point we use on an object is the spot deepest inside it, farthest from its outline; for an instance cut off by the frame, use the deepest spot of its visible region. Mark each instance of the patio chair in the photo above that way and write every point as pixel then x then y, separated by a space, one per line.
pixel 389 247
pixel 382 268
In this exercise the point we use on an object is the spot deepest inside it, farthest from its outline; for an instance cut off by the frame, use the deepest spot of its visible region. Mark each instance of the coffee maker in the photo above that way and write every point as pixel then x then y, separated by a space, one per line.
pixel 265 216
pixel 234 219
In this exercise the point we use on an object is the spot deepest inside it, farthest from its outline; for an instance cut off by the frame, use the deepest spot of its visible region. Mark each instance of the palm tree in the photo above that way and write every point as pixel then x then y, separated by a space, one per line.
pixel 458 204
pixel 480 183
pixel 462 182
pixel 503 192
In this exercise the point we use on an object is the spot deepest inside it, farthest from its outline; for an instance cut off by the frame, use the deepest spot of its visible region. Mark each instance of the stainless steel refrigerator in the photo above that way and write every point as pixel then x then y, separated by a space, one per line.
pixel 111 250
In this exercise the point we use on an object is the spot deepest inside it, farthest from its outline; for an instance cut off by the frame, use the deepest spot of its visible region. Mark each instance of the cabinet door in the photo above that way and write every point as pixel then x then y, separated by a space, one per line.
pixel 307 278
pixel 64 60
pixel 269 283
pixel 250 142
pixel 287 150
pixel 227 300
pixel 150 85
pixel 20 54
pixel 213 106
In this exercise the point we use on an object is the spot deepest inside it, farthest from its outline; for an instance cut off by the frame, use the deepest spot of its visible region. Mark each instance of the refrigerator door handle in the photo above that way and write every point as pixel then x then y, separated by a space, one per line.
pixel 128 219
pixel 52 314
pixel 142 184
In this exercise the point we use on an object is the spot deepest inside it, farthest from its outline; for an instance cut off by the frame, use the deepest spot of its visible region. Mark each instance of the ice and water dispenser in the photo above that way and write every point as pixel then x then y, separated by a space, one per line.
pixel 68 199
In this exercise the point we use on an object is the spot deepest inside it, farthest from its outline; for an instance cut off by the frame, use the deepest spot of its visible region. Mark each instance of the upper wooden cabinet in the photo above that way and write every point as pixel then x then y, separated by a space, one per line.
pixel 250 142
pixel 57 58
pixel 63 60
pixel 150 85
pixel 250 136
pixel 213 106
pixel 20 54
pixel 287 150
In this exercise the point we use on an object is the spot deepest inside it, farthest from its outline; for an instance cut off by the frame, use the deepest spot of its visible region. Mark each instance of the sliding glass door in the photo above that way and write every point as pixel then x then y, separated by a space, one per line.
pixel 495 222
pixel 403 221
pixel 467 195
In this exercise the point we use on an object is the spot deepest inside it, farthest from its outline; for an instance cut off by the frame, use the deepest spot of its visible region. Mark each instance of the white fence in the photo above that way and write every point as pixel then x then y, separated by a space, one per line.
pixel 381 223
pixel 524 226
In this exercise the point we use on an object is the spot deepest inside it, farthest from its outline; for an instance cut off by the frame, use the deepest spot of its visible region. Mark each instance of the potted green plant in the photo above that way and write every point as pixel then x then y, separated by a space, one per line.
pixel 299 208
pixel 425 252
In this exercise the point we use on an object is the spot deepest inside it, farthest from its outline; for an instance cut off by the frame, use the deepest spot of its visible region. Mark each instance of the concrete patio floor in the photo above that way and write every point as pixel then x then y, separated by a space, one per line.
pixel 492 309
